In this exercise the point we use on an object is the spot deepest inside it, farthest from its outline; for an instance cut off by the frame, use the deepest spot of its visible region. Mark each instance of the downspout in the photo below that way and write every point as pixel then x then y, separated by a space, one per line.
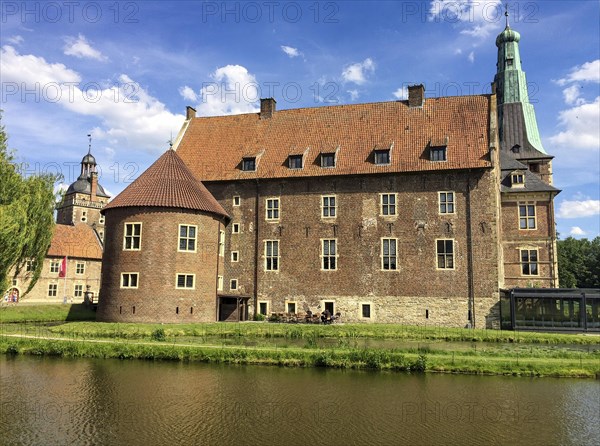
pixel 256 221
pixel 471 304
pixel 553 254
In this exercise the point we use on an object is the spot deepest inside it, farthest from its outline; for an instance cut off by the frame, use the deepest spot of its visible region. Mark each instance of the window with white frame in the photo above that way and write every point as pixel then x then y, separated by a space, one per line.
pixel 445 253
pixel 187 238
pixel 221 243
pixel 388 204
pixel 446 202
pixel 365 310
pixel 185 281
pixel 132 239
pixel 220 283
pixel 129 280
pixel 290 307
pixel 272 209
pixel 527 216
pixel 236 200
pixel 54 266
pixel 233 284
pixel 388 254
pixel 78 291
pixel 263 307
pixel 52 289
pixel 235 256
pixel 529 262
pixel 328 206
pixel 235 229
pixel 271 255
pixel 329 254
pixel 84 216
pixel 29 265
pixel 80 268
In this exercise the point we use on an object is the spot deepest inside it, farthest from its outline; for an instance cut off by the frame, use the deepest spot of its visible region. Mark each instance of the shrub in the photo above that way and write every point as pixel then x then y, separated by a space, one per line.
pixel 158 335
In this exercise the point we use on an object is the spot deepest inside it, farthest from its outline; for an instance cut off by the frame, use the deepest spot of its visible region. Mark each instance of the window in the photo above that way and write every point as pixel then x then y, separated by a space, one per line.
pixel 29 265
pixel 235 256
pixel 437 153
pixel 388 254
pixel 101 219
pixel 329 305
pixel 249 164
pixel 382 156
pixel 446 200
pixel 129 280
pixel 84 216
pixel 187 238
pixel 329 254
pixel 235 229
pixel 328 206
pixel 233 284
pixel 527 216
pixel 52 289
pixel 54 266
pixel 80 268
pixel 327 159
pixel 133 237
pixel 445 254
pixel 185 281
pixel 388 204
pixel 365 310
pixel 220 283
pixel 221 243
pixel 529 262
pixel 263 307
pixel 15 282
pixel 290 307
pixel 236 200
pixel 272 208
pixel 271 255
pixel 295 161
pixel 78 292
pixel 517 179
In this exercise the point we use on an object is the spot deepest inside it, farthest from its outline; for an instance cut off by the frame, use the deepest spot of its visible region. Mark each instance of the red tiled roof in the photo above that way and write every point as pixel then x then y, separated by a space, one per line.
pixel 168 183
pixel 78 241
pixel 213 147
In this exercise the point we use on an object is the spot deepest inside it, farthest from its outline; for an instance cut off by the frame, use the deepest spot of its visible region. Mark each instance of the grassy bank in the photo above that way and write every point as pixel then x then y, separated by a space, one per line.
pixel 46 313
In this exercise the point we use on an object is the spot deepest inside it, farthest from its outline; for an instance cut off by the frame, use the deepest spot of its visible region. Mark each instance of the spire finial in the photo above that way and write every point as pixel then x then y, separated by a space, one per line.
pixel 89 143
pixel 171 141
pixel 506 14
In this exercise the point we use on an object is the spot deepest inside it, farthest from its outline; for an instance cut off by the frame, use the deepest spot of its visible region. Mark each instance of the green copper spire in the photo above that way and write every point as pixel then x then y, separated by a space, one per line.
pixel 511 85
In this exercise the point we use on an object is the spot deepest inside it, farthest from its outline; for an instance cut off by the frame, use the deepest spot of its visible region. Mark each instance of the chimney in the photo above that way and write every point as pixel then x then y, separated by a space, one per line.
pixel 267 108
pixel 190 112
pixel 94 190
pixel 416 95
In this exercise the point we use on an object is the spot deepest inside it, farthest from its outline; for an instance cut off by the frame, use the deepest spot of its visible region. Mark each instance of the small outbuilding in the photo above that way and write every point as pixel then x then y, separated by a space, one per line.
pixel 162 253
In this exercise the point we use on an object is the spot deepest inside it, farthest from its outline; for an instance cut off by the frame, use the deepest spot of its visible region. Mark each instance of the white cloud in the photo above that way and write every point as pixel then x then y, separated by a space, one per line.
pixel 576 230
pixel 233 91
pixel 353 94
pixel 572 95
pixel 15 40
pixel 81 48
pixel 477 18
pixel 588 72
pixel 130 117
pixel 471 57
pixel 578 209
pixel 582 127
pixel 401 93
pixel 357 72
pixel 290 51
pixel 188 94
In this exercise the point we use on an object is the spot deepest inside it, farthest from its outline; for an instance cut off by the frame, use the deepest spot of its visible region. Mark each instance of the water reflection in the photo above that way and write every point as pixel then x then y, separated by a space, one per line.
pixel 56 401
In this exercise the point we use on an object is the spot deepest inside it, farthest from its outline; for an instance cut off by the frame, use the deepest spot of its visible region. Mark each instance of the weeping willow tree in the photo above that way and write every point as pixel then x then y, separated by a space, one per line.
pixel 26 218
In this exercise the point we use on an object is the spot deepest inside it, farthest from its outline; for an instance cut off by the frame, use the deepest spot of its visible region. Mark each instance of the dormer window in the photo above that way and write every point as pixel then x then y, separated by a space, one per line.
pixel 517 179
pixel 328 159
pixel 437 153
pixel 516 148
pixel 249 164
pixel 295 161
pixel 509 62
pixel 382 157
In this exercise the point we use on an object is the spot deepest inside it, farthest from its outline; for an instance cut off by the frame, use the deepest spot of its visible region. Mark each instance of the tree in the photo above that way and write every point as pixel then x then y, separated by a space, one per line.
pixel 26 217
pixel 579 263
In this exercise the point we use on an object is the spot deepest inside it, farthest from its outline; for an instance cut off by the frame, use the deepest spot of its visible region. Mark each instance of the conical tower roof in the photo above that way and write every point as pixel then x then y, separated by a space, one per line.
pixel 168 183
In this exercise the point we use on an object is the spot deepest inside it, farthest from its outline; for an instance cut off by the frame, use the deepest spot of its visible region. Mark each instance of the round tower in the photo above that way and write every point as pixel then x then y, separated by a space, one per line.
pixel 161 253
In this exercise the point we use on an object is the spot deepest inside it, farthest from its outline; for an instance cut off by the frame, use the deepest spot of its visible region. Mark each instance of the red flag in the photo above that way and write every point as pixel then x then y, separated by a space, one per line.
pixel 63 268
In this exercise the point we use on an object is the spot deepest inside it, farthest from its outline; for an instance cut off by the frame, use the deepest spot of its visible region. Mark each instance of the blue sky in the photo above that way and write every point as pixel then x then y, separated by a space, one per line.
pixel 124 72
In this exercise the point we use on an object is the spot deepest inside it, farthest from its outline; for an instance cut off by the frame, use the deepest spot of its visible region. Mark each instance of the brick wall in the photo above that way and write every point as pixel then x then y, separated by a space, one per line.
pixel 158 262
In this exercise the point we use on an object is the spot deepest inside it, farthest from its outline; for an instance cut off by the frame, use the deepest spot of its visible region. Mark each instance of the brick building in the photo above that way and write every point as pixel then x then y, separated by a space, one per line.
pixel 414 211
pixel 78 238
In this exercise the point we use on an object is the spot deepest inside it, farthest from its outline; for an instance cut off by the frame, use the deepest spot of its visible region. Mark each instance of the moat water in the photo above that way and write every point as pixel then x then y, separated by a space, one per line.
pixel 48 401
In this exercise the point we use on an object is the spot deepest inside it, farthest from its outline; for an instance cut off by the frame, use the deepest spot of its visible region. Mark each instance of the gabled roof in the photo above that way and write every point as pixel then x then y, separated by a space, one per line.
pixel 78 241
pixel 213 147
pixel 167 183
pixel 532 183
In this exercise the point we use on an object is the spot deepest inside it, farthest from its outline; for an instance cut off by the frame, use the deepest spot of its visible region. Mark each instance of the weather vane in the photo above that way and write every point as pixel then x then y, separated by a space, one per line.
pixel 89 143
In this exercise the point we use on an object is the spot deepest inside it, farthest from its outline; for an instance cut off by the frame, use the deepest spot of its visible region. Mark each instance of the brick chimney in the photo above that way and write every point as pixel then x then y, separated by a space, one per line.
pixel 267 108
pixel 190 112
pixel 416 95
pixel 94 190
